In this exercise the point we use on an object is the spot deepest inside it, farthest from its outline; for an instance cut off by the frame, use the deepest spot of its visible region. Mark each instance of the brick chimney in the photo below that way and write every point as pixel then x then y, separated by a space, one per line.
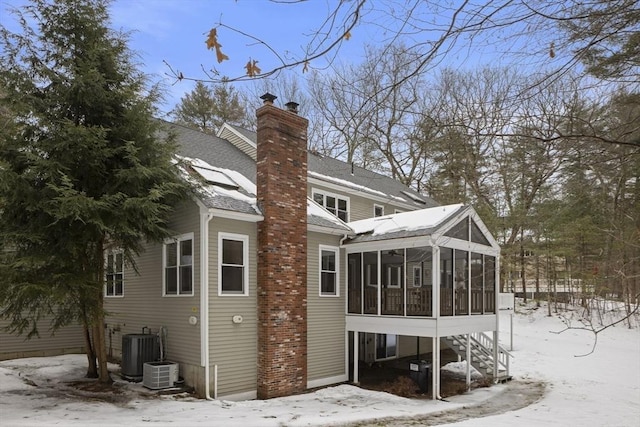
pixel 281 180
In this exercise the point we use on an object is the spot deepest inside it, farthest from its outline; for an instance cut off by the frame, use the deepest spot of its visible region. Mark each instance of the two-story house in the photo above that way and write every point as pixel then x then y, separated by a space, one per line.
pixel 290 268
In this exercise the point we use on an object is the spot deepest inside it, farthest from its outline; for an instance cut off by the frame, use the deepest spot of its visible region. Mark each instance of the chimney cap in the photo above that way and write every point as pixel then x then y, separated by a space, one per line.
pixel 292 106
pixel 268 98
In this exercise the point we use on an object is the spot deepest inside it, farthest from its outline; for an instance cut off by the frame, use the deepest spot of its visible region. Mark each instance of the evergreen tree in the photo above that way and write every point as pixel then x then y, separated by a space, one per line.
pixel 80 168
pixel 206 108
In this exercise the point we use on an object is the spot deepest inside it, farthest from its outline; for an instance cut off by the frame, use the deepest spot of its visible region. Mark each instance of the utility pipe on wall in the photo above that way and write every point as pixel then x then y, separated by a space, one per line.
pixel 205 218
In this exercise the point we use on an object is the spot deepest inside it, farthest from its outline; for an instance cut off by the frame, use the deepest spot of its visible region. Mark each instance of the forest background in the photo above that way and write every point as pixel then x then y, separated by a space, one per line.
pixel 529 112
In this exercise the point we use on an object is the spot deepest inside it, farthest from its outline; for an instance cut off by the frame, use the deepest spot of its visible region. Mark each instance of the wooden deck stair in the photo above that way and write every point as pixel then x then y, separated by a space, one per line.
pixel 482 357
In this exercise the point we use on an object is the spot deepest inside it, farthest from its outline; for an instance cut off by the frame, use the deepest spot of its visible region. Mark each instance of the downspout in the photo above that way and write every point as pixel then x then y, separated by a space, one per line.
pixel 346 310
pixel 205 217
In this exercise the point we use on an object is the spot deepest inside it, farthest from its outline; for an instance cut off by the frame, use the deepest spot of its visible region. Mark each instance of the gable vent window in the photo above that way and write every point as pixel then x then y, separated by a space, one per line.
pixel 336 204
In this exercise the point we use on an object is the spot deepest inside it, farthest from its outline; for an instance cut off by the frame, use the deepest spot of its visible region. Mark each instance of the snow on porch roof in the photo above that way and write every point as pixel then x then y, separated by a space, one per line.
pixel 406 224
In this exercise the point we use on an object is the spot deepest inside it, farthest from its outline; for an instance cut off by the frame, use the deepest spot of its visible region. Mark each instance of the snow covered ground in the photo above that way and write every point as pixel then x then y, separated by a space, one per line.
pixel 602 389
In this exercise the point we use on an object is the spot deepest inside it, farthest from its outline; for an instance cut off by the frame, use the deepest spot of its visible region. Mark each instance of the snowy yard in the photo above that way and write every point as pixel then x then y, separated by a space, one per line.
pixel 602 389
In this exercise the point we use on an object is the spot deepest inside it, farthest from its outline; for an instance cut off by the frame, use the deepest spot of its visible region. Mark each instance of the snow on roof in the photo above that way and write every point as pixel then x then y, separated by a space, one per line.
pixel 354 186
pixel 224 184
pixel 413 196
pixel 405 221
pixel 314 209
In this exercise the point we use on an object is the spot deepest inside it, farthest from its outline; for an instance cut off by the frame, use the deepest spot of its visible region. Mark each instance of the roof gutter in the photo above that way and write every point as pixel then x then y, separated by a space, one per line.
pixel 329 230
pixel 240 216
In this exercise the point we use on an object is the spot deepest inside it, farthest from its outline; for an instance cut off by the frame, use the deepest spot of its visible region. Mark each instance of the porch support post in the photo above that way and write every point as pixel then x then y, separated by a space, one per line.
pixel 435 281
pixel 379 273
pixel 495 354
pixel 435 368
pixel 468 362
pixel 356 342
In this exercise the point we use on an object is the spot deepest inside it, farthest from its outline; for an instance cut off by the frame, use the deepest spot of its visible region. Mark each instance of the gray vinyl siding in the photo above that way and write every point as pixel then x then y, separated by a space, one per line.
pixel 144 305
pixel 233 346
pixel 326 315
pixel 68 339
pixel 360 207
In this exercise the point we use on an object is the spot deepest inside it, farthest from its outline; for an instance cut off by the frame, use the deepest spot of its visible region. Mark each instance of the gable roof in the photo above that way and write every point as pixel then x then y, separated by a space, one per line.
pixel 423 222
pixel 222 154
pixel 348 177
pixel 213 150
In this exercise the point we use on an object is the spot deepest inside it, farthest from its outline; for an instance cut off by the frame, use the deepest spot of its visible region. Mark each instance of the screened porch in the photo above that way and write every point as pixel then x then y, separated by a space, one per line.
pixel 412 276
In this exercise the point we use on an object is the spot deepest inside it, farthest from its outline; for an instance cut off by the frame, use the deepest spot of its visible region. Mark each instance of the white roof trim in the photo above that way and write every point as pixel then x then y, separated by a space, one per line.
pixel 230 128
pixel 240 216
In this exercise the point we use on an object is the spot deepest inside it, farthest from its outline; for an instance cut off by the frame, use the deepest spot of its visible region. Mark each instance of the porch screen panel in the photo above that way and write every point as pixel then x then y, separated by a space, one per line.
pixel 489 284
pixel 461 282
pixel 446 282
pixel 392 292
pixel 419 281
pixel 370 269
pixel 354 284
pixel 477 236
pixel 477 280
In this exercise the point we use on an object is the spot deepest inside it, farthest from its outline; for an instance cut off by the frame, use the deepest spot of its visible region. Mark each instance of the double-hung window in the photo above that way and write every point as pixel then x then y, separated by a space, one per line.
pixel 114 274
pixel 336 204
pixel 329 263
pixel 378 210
pixel 233 269
pixel 178 265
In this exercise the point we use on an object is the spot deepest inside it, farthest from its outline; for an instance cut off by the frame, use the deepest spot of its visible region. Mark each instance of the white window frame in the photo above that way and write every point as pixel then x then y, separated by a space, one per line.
pixel 370 274
pixel 336 252
pixel 177 240
pixel 107 254
pixel 417 272
pixel 387 356
pixel 376 206
pixel 245 263
pixel 397 268
pixel 337 196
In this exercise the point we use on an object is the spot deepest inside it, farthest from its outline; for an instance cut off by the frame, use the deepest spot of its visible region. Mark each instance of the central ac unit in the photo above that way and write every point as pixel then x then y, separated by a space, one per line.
pixel 159 375
pixel 136 350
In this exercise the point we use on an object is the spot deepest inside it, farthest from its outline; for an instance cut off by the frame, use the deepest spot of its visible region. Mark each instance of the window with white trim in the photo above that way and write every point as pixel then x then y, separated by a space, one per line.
pixel 114 274
pixel 233 269
pixel 337 205
pixel 329 263
pixel 417 276
pixel 394 276
pixel 378 210
pixel 178 265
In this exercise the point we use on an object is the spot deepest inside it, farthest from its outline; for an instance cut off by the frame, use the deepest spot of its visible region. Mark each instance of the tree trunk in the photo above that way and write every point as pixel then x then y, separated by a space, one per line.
pixel 92 368
pixel 100 348
pixel 522 273
pixel 537 280
pixel 99 322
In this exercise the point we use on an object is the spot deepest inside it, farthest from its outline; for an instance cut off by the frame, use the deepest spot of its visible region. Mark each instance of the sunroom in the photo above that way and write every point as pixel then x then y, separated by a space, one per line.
pixel 426 273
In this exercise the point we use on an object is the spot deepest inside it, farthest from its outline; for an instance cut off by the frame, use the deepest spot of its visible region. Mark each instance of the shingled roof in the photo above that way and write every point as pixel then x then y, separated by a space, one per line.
pixel 342 173
pixel 221 153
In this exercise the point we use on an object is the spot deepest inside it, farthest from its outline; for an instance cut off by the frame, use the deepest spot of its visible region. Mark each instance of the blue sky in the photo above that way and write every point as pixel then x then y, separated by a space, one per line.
pixel 175 31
